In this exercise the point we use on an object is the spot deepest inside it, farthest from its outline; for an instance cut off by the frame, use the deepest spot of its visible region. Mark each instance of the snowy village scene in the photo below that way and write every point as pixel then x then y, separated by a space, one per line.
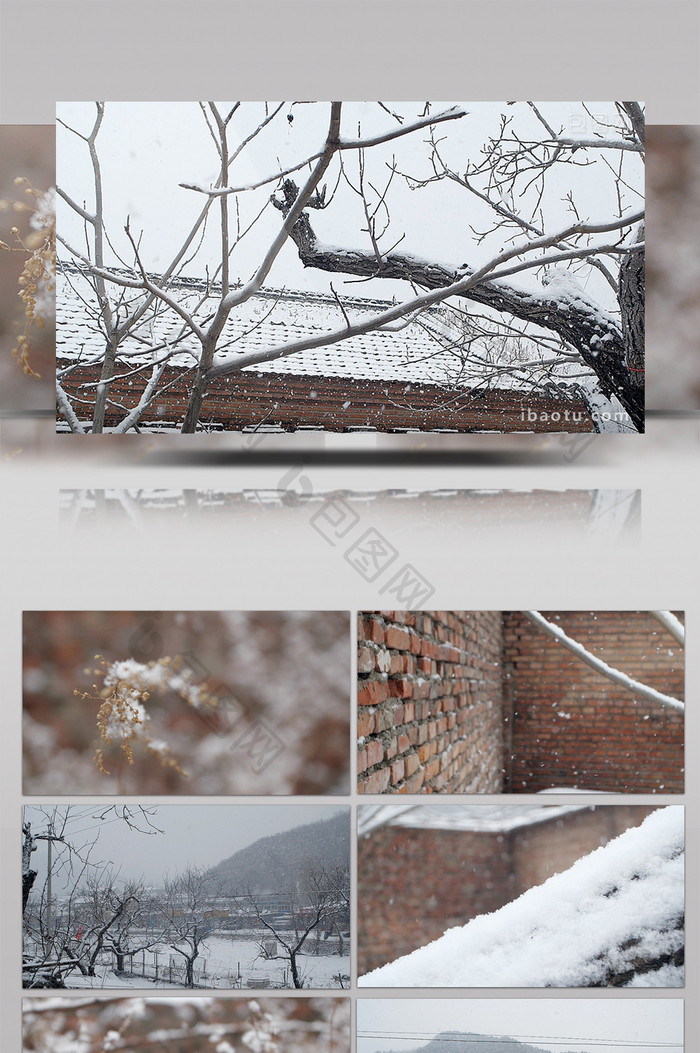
pixel 522 1025
pixel 185 896
pixel 186 702
pixel 521 702
pixel 338 267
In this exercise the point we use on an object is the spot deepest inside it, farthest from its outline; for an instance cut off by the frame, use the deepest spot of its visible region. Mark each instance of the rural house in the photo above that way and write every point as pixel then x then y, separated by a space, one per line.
pixel 412 378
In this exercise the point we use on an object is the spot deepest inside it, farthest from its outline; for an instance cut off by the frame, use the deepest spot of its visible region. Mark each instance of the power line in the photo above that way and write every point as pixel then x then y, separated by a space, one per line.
pixel 469 1040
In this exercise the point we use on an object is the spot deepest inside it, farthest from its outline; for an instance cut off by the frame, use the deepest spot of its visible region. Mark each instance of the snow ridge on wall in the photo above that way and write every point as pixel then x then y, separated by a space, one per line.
pixel 615 918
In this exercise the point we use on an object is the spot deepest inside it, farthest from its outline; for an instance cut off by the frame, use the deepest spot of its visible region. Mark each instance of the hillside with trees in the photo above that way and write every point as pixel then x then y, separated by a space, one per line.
pixel 278 861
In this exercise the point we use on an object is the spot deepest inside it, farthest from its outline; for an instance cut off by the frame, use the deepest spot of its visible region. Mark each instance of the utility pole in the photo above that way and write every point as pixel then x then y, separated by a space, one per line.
pixel 49 838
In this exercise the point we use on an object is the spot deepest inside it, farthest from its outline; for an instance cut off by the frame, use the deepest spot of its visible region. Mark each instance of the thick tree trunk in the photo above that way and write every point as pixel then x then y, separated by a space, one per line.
pixel 600 346
pixel 631 297
pixel 196 399
pixel 102 392
pixel 194 404
pixel 295 971
pixel 28 875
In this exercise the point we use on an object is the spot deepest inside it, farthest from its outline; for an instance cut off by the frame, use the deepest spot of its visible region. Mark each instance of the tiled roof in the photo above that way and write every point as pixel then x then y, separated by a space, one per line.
pixel 414 354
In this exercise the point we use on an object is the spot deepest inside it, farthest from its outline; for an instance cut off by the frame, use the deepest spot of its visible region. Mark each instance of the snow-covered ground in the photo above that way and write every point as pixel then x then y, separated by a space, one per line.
pixel 614 918
pixel 225 962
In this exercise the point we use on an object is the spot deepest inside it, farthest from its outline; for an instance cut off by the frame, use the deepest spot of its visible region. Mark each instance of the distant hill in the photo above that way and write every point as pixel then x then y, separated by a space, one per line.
pixel 273 863
pixel 469 1042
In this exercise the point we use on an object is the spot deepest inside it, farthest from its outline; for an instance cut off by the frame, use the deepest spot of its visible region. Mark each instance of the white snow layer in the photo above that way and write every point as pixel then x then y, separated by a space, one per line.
pixel 619 904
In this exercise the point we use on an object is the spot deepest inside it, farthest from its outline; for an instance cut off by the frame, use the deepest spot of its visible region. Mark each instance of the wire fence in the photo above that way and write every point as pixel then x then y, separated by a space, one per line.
pixel 165 966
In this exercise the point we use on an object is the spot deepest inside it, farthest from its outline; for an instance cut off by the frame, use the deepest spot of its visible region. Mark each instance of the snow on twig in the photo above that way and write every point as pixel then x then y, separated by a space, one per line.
pixel 123 718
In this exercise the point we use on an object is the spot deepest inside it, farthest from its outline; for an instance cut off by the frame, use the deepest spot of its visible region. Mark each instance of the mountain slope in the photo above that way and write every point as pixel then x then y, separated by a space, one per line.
pixel 274 863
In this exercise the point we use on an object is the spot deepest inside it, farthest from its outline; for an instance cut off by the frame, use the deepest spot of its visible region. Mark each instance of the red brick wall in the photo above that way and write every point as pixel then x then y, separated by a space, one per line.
pixel 572 727
pixel 445 705
pixel 287 402
pixel 413 884
pixel 430 702
pixel 544 849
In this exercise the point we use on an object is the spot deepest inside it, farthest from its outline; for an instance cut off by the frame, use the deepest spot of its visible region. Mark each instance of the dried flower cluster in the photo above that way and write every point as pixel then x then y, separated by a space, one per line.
pixel 37 282
pixel 127 687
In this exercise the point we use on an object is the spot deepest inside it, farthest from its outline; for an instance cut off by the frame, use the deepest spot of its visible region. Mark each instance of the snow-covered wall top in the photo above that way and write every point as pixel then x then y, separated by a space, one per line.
pixel 493 818
pixel 417 880
pixel 615 918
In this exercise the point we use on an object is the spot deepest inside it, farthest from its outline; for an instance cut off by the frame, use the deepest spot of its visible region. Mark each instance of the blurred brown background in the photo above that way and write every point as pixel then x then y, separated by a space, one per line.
pixel 673 267
pixel 185 1025
pixel 29 151
pixel 289 672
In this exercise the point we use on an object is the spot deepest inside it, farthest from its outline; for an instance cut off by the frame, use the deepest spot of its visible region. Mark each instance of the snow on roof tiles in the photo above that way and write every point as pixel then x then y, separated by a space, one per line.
pixel 270 319
pixel 414 353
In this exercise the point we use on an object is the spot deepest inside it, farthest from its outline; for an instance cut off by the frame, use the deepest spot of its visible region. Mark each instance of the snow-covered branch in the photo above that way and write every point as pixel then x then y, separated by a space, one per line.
pixel 618 677
pixel 149 392
pixel 489 272
pixel 673 624
pixel 66 410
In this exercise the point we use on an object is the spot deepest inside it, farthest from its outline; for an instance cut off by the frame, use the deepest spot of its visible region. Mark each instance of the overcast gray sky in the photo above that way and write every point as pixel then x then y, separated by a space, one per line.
pixel 199 834
pixel 533 1020
pixel 147 149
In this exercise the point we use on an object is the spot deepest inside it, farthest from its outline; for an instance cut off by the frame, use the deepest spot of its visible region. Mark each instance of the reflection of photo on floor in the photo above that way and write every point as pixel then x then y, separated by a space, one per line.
pixel 178 907
pixel 517 1025
pixel 609 514
pixel 257 1025
pixel 186 702
pixel 521 896
pixel 520 701
pixel 343 266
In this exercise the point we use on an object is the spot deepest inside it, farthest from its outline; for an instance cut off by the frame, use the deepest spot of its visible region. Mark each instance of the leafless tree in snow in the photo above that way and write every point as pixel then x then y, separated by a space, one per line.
pixel 500 192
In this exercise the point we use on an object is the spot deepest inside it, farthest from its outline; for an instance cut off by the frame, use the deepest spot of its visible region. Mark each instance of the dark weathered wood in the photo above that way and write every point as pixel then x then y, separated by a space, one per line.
pixel 631 296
